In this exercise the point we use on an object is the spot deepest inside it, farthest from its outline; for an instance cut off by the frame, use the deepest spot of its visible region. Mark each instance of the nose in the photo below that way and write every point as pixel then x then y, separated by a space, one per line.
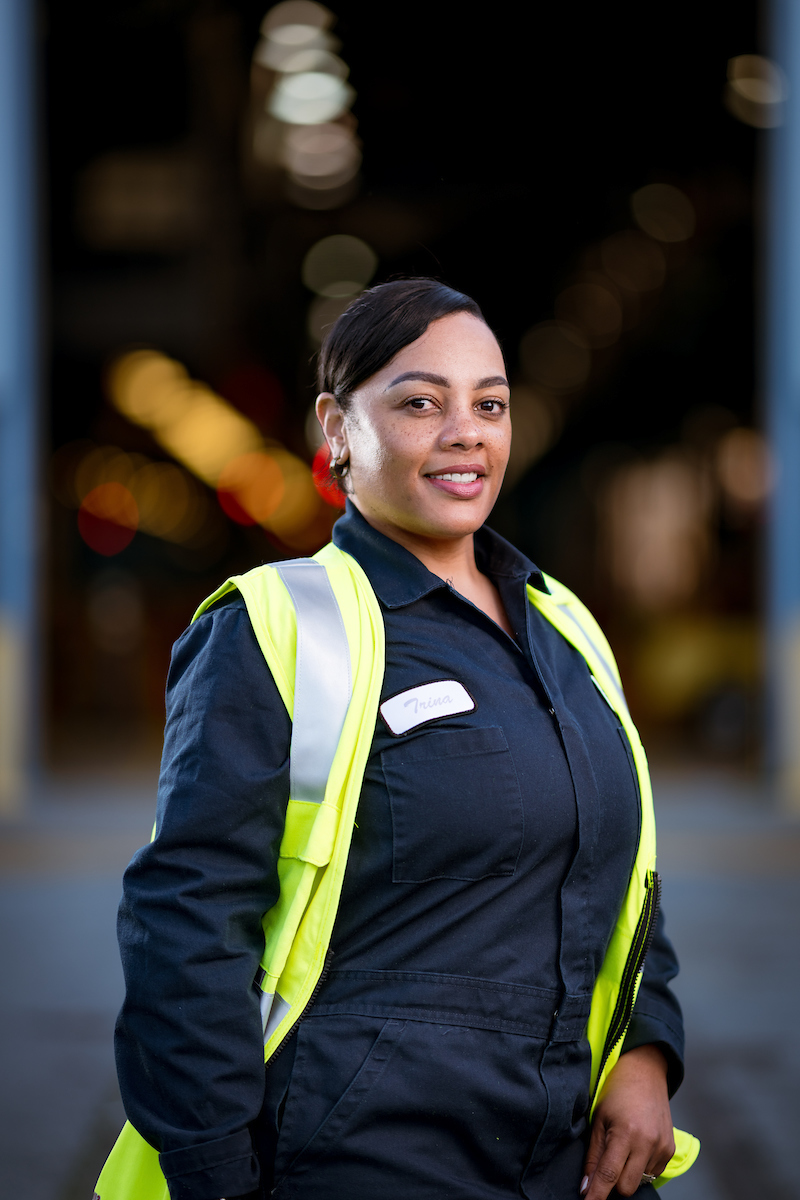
pixel 462 429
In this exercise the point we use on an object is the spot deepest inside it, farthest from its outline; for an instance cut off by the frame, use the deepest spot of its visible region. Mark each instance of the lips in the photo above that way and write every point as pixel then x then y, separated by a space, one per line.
pixel 462 480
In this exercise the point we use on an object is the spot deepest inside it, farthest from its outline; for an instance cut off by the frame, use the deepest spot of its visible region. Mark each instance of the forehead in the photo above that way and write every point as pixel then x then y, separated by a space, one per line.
pixel 459 346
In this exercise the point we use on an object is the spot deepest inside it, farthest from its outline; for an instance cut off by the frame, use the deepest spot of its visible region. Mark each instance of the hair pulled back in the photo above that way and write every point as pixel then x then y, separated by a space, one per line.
pixel 379 323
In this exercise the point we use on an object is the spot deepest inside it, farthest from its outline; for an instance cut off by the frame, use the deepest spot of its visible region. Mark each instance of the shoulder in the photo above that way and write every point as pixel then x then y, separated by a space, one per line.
pixel 219 636
pixel 241 585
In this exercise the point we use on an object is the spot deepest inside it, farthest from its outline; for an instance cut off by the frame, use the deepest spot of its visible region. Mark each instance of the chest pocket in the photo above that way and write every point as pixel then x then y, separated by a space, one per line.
pixel 456 806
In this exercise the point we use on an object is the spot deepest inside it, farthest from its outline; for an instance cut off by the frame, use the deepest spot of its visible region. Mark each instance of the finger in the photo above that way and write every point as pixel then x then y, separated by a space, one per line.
pixel 597 1143
pixel 657 1165
pixel 661 1156
pixel 631 1175
pixel 633 1172
pixel 608 1170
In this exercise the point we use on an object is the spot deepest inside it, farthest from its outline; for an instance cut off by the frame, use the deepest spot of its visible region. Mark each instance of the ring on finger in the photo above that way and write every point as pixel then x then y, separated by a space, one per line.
pixel 647 1178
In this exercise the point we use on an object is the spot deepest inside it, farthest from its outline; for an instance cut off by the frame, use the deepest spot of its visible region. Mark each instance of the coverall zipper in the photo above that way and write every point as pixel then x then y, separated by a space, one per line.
pixel 326 966
pixel 634 965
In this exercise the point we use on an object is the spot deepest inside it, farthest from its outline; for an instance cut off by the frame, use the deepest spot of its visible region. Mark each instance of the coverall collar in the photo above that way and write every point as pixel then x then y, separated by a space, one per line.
pixel 399 578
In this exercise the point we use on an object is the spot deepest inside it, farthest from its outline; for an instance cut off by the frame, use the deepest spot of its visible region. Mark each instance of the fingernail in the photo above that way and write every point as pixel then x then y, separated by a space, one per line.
pixel 584 1184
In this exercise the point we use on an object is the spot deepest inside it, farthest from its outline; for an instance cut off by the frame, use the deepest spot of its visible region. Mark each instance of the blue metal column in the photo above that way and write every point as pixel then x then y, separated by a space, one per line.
pixel 19 532
pixel 782 380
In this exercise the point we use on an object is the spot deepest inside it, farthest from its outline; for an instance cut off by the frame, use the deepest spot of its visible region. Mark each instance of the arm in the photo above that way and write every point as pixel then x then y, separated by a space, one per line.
pixel 657 1018
pixel 188 1043
pixel 632 1125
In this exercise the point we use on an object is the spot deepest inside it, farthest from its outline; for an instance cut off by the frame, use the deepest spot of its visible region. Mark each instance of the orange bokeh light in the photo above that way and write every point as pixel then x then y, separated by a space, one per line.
pixel 250 488
pixel 108 518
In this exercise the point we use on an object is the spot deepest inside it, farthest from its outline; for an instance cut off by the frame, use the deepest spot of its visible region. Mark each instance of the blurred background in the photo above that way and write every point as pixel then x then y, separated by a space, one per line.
pixel 190 192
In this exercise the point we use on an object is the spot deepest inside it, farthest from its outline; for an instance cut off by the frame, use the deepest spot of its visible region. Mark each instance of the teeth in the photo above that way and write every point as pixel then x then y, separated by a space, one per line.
pixel 454 477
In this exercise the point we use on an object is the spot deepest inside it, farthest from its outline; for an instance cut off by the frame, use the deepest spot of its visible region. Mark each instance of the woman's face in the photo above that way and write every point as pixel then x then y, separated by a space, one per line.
pixel 427 437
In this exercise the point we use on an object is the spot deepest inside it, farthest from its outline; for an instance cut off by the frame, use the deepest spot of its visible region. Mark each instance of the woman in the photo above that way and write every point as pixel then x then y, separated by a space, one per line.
pixel 493 853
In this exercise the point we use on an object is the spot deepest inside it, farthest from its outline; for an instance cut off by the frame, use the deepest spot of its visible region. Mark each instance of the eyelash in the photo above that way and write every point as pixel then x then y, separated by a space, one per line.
pixel 503 404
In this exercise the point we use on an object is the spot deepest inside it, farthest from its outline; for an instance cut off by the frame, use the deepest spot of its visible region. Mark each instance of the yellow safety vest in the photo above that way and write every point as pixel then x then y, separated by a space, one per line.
pixel 320 628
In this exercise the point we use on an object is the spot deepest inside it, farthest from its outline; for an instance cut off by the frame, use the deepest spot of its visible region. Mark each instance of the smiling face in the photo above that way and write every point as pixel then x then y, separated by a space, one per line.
pixel 427 437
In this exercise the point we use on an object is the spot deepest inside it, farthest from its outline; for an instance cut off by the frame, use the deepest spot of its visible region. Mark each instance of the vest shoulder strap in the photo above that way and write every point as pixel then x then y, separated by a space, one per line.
pixel 575 622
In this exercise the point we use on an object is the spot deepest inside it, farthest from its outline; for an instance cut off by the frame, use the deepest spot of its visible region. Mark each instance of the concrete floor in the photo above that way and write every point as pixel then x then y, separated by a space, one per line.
pixel 61 985
pixel 731 871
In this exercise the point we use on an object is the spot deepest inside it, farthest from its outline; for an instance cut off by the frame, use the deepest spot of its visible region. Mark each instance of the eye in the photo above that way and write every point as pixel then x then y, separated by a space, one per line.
pixel 492 404
pixel 419 403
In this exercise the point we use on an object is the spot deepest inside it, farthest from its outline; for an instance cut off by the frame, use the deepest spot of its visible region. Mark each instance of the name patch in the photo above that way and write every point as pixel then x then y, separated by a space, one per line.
pixel 424 703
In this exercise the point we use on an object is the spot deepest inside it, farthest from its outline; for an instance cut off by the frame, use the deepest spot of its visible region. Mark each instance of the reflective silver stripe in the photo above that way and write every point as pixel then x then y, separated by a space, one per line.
pixel 323 684
pixel 603 657
pixel 601 690
pixel 273 1009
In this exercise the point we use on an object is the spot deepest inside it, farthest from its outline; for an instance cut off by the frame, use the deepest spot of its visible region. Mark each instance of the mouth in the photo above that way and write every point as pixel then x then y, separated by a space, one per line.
pixel 464 481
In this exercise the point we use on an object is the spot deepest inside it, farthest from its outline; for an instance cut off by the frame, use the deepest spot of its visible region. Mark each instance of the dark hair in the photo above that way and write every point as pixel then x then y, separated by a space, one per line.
pixel 379 323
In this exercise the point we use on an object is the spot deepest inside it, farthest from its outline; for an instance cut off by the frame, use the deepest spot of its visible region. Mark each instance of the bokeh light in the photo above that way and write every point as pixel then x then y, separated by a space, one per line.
pixel 300 110
pixel 256 482
pixel 323 312
pixel 142 200
pixel 250 488
pixel 147 387
pixel 536 423
pixel 556 356
pixel 594 309
pixel 310 98
pixel 633 261
pixel 207 433
pixel 171 504
pixel 744 467
pixel 685 657
pixel 282 45
pixel 339 265
pixel 663 211
pixel 115 612
pixel 108 518
pixel 321 156
pixel 295 514
pixel 755 91
pixel 195 425
pixel 303 13
pixel 656 520
pixel 315 59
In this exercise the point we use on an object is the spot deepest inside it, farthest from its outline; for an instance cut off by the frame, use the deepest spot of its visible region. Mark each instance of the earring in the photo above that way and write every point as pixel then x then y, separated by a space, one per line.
pixel 338 468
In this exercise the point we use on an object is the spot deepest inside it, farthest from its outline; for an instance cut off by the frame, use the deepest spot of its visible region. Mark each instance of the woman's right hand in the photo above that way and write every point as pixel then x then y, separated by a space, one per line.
pixel 632 1126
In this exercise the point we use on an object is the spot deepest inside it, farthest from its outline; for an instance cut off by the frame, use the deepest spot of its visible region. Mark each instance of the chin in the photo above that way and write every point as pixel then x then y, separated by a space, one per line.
pixel 461 524
pixel 456 519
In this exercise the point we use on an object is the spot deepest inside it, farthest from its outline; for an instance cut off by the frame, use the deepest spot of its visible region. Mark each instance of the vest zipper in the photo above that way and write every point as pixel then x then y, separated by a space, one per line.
pixel 634 965
pixel 326 966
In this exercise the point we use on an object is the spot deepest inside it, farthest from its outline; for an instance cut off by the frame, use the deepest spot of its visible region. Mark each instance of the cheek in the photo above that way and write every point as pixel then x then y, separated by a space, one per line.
pixel 369 452
pixel 377 450
pixel 501 444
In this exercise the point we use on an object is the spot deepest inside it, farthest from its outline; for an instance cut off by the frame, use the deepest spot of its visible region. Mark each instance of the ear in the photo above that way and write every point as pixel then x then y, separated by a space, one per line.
pixel 331 418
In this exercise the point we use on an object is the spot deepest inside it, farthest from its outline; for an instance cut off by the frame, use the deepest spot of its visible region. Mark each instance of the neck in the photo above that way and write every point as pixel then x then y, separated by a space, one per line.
pixel 452 559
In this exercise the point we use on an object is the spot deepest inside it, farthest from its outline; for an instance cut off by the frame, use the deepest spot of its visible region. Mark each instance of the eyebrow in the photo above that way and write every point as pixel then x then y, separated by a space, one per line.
pixel 440 381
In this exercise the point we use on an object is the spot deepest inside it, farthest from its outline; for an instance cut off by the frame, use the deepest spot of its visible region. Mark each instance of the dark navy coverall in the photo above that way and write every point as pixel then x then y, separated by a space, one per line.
pixel 444 1055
